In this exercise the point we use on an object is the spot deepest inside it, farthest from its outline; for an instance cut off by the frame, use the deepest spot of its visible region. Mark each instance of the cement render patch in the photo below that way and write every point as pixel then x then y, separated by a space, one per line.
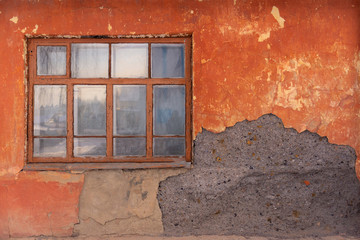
pixel 260 179
pixel 121 202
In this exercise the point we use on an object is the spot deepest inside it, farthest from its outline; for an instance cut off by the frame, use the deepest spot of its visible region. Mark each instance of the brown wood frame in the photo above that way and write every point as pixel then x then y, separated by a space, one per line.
pixel 108 161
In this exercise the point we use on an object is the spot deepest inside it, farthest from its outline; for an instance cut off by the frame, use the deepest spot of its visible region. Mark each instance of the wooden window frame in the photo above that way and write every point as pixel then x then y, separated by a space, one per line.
pixel 109 161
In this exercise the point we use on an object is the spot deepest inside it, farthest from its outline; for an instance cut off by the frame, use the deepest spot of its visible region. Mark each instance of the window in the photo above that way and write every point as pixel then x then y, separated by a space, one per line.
pixel 99 102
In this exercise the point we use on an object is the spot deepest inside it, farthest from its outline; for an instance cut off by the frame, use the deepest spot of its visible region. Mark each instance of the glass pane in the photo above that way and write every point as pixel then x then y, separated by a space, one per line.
pixel 129 60
pixel 49 110
pixel 169 110
pixel 51 60
pixel 49 147
pixel 90 110
pixel 169 146
pixel 89 60
pixel 129 146
pixel 129 110
pixel 89 147
pixel 167 61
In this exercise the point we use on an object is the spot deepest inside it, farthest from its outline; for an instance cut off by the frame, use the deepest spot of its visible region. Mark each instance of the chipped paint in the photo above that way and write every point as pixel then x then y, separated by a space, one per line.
pixel 276 14
pixel 14 19
pixel 264 36
pixel 287 97
pixel 203 61
pixel 109 27
pixel 35 29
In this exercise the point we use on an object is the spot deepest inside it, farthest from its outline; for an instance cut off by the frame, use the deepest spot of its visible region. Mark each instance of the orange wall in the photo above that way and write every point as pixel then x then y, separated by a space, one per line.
pixel 301 63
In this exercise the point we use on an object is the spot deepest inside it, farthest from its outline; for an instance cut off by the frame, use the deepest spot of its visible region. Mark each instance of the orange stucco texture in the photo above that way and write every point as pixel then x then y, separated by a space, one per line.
pixel 299 60
pixel 39 204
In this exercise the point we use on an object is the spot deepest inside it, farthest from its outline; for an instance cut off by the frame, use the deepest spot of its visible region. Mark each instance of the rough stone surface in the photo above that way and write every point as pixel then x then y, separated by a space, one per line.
pixel 259 178
pixel 121 202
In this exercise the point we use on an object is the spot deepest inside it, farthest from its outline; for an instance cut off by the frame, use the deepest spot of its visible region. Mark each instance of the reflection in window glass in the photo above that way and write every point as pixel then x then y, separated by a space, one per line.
pixel 51 60
pixel 89 60
pixel 129 110
pixel 129 146
pixel 169 146
pixel 167 61
pixel 49 110
pixel 169 110
pixel 90 110
pixel 89 147
pixel 129 60
pixel 49 147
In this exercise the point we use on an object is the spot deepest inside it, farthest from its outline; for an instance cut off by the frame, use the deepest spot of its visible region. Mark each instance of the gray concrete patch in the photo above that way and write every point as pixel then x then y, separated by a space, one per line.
pixel 258 178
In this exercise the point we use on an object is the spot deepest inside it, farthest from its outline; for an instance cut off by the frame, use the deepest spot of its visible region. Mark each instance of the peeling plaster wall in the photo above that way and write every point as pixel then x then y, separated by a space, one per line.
pixel 299 60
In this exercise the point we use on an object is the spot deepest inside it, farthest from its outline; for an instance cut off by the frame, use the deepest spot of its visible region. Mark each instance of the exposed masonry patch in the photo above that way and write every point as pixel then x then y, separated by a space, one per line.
pixel 259 178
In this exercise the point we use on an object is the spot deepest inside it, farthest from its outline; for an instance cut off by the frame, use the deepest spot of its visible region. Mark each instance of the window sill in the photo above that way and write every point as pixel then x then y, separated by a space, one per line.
pixel 102 166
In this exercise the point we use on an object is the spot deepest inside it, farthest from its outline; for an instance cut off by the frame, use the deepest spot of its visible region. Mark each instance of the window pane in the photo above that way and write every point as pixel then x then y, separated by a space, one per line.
pixel 49 110
pixel 129 146
pixel 129 60
pixel 129 110
pixel 169 110
pixel 49 147
pixel 89 60
pixel 51 60
pixel 167 61
pixel 169 146
pixel 90 110
pixel 89 147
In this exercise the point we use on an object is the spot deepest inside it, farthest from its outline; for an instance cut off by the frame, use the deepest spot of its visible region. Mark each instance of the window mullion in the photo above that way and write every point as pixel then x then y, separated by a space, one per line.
pixel 109 112
pixel 32 71
pixel 68 59
pixel 109 120
pixel 149 119
pixel 70 122
pixel 149 108
pixel 188 101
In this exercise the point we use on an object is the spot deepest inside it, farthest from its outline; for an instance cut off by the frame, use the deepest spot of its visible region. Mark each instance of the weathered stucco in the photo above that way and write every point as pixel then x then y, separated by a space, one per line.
pixel 44 203
pixel 297 59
